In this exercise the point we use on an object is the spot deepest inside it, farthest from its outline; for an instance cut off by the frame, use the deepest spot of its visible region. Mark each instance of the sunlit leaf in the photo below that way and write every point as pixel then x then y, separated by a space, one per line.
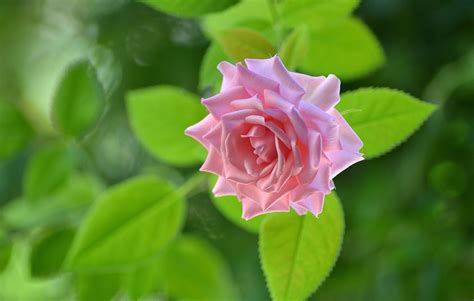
pixel 242 43
pixel 298 252
pixel 190 8
pixel 128 224
pixel 236 15
pixel 159 116
pixel 78 101
pixel 47 170
pixel 346 48
pixel 231 208
pixel 209 77
pixel 294 49
pixel 15 132
pixel 383 118
pixel 49 251
pixel 296 12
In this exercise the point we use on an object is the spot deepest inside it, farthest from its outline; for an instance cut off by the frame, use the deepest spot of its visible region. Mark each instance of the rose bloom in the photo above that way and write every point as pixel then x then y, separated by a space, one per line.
pixel 274 137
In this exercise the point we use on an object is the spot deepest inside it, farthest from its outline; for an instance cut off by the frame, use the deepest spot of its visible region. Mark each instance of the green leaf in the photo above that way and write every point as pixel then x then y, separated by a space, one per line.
pixel 294 49
pixel 5 253
pixel 47 170
pixel 96 286
pixel 49 252
pixel 297 12
pixel 159 116
pixel 128 224
pixel 383 118
pixel 15 132
pixel 231 208
pixel 190 8
pixel 16 282
pixel 64 205
pixel 193 270
pixel 346 48
pixel 144 280
pixel 209 77
pixel 242 43
pixel 298 252
pixel 236 15
pixel 78 100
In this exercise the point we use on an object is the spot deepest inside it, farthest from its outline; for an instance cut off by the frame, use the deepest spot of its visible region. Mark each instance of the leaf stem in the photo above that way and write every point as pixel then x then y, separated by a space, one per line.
pixel 275 20
pixel 195 184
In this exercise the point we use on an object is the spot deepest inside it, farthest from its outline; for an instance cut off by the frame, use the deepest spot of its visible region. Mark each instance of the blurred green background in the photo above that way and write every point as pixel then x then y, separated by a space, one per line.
pixel 409 214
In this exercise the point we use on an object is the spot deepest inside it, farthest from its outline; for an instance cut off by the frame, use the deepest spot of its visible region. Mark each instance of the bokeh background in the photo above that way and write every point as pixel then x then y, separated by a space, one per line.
pixel 409 214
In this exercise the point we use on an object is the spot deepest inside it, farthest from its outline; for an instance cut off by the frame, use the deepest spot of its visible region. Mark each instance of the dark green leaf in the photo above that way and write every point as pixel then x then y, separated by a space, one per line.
pixel 47 170
pixel 78 101
pixel 49 252
pixel 15 132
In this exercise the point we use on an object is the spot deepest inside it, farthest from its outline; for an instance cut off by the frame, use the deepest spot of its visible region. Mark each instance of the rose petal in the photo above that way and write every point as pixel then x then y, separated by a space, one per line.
pixel 220 104
pixel 223 188
pixel 199 130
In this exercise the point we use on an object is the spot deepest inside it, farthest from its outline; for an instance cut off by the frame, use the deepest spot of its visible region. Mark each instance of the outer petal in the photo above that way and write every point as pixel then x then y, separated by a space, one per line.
pixel 254 82
pixel 228 72
pixel 321 91
pixel 348 138
pixel 250 209
pixel 274 69
pixel 313 203
pixel 200 129
pixel 213 163
pixel 341 160
pixel 220 104
pixel 223 187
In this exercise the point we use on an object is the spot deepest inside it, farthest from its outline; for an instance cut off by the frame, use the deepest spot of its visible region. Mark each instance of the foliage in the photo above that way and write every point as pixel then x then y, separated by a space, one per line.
pixel 99 194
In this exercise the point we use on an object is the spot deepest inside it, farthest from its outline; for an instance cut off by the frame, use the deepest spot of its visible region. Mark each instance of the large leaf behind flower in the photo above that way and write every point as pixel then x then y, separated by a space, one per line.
pixel 189 8
pixel 383 118
pixel 298 252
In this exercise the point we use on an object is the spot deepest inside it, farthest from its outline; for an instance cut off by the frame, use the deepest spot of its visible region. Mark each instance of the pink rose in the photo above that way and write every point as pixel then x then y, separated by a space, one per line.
pixel 274 137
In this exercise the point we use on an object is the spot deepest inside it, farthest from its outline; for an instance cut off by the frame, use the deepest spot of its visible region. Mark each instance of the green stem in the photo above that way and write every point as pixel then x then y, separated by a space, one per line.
pixel 195 184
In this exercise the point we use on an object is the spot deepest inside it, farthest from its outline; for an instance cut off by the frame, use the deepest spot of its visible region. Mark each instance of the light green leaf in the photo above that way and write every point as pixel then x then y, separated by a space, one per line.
pixel 128 224
pixel 47 170
pixel 231 208
pixel 190 8
pixel 193 270
pixel 346 48
pixel 298 252
pixel 78 101
pixel 16 282
pixel 294 49
pixel 65 204
pixel 49 251
pixel 159 116
pixel 15 132
pixel 209 77
pixel 383 118
pixel 242 43
pixel 236 15
pixel 297 12
pixel 144 280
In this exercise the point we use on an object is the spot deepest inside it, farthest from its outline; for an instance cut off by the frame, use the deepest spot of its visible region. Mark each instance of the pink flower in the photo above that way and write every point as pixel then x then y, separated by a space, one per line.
pixel 274 137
